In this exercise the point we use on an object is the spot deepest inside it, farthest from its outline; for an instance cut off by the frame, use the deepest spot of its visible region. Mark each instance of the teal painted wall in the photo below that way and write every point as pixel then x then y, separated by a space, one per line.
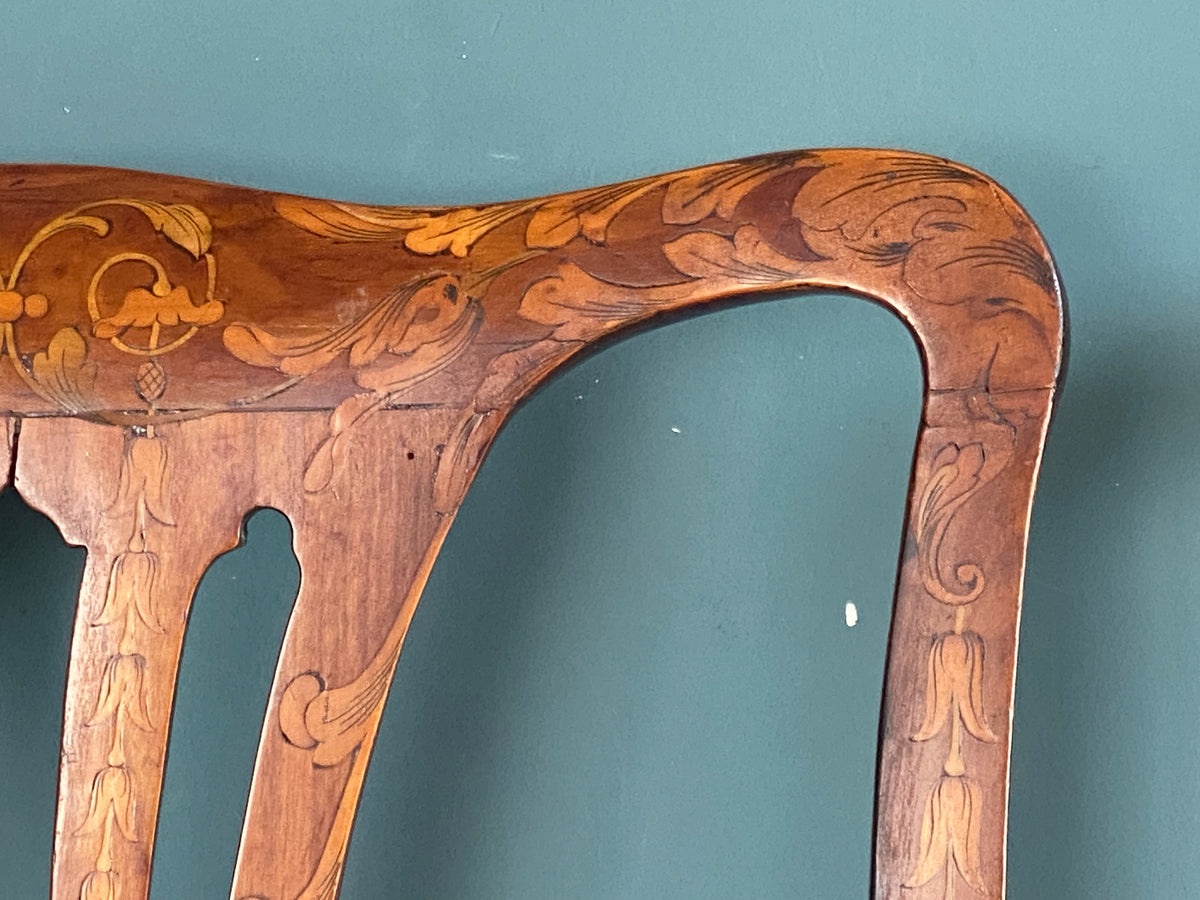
pixel 631 676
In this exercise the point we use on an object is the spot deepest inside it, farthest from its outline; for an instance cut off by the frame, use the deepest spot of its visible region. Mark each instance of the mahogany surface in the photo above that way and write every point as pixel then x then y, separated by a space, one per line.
pixel 177 353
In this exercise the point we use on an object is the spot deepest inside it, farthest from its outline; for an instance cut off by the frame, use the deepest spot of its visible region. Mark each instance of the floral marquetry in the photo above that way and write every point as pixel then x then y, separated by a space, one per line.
pixel 177 353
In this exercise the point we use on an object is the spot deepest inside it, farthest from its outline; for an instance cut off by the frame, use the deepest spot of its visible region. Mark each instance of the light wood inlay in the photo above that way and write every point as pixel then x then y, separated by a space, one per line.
pixel 175 353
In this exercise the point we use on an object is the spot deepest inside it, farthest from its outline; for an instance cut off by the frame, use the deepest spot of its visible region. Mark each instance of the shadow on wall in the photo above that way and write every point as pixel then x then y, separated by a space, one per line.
pixel 1105 801
pixel 1110 631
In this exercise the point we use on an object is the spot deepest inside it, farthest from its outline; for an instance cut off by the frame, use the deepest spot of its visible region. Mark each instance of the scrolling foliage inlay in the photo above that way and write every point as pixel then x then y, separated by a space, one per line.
pixel 152 319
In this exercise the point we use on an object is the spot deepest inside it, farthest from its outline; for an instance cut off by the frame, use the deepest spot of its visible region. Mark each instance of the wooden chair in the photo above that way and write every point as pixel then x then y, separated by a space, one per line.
pixel 177 353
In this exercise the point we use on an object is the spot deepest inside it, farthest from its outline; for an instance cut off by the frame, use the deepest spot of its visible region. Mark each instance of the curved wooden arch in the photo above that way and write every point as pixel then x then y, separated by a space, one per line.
pixel 176 353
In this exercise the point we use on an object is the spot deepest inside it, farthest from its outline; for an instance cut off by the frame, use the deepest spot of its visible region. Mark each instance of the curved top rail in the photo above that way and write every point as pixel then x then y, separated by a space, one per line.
pixel 184 297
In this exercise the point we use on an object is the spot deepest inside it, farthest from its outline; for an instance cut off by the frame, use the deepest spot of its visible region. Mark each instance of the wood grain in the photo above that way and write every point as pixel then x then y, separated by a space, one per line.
pixel 176 353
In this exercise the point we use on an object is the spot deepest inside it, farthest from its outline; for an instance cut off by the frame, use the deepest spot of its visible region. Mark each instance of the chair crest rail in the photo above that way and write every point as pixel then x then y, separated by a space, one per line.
pixel 174 353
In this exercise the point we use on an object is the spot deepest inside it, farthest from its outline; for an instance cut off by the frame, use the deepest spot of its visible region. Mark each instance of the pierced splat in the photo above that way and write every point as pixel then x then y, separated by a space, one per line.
pixel 177 353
